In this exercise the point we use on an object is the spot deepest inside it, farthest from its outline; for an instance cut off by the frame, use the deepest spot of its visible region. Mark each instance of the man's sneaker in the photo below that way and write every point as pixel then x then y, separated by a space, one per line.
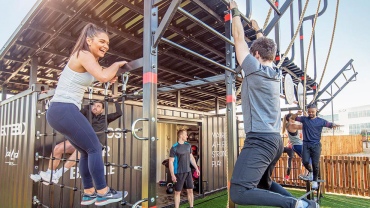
pixel 88 199
pixel 308 177
pixel 46 177
pixel 311 204
pixel 314 185
pixel 110 197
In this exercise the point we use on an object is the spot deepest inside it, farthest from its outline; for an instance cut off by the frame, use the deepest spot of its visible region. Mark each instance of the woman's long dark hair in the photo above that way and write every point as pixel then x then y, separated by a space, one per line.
pixel 285 121
pixel 89 31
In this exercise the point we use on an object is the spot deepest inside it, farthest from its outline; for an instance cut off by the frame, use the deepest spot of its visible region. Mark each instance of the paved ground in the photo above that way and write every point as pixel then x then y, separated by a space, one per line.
pixel 365 153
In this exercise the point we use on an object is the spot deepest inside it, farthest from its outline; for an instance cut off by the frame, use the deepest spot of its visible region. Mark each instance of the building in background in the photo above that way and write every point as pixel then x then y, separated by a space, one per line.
pixel 355 120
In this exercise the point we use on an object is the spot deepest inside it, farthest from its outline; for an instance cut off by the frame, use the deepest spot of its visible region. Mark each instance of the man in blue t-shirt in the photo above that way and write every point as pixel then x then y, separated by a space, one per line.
pixel 179 165
pixel 312 128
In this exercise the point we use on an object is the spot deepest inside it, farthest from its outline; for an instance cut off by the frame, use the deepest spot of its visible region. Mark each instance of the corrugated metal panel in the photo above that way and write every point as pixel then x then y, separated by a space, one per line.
pixel 214 152
pixel 16 152
pixel 23 115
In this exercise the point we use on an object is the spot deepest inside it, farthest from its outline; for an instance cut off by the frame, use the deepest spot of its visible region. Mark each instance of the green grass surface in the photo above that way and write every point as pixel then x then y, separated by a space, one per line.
pixel 219 200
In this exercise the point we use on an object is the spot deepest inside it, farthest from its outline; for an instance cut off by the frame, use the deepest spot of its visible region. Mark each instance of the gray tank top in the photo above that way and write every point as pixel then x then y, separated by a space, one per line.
pixel 295 140
pixel 71 87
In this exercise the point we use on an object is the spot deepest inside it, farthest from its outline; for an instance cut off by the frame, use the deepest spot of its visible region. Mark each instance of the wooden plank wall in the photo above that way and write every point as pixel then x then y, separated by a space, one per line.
pixel 342 174
pixel 342 144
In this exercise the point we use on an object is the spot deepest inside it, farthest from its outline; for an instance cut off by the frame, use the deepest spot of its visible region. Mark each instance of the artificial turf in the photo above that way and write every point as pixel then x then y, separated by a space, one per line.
pixel 219 200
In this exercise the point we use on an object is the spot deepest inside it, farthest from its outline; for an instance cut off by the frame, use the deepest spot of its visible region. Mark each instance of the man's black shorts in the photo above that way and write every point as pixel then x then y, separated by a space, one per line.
pixel 184 180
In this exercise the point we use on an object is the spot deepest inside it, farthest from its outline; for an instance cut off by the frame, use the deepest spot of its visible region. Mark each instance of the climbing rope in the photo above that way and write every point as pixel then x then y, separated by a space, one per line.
pixel 289 46
pixel 328 55
pixel 308 55
pixel 295 34
pixel 268 17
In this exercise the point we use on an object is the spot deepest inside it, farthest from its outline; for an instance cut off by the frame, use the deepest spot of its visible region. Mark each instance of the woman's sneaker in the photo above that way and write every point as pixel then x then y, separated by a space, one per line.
pixel 110 197
pixel 46 176
pixel 88 199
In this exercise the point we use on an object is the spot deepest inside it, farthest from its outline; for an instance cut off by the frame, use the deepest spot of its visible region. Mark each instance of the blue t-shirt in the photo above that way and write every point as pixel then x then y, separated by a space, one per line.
pixel 181 153
pixel 312 128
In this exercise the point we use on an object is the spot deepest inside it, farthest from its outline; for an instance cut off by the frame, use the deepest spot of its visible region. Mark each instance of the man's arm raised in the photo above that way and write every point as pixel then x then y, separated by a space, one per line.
pixel 241 47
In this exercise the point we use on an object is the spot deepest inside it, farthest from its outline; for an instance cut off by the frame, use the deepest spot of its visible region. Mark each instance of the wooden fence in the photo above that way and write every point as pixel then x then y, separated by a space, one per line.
pixel 346 174
pixel 331 145
pixel 343 144
pixel 342 174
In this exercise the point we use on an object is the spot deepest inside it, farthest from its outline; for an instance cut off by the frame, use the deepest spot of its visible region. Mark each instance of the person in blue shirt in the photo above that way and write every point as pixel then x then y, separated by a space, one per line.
pixel 179 165
pixel 312 127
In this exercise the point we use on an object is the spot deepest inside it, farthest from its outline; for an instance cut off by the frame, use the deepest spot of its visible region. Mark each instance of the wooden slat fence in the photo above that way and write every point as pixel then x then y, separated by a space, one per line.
pixel 343 174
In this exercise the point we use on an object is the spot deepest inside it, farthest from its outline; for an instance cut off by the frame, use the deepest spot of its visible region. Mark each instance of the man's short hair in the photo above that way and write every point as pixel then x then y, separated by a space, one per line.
pixel 266 48
pixel 101 102
pixel 311 106
pixel 180 132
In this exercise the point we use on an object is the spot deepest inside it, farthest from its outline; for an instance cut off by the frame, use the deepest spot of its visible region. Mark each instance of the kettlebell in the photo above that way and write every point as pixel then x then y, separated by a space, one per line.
pixel 169 189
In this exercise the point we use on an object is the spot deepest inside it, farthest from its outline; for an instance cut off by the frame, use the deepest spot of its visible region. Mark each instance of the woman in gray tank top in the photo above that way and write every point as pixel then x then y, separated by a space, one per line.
pixel 292 130
pixel 64 112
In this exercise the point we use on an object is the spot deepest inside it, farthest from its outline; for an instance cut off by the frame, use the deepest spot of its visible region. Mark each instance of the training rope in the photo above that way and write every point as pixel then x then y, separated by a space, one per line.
pixel 328 55
pixel 268 17
pixel 308 55
pixel 295 34
pixel 289 46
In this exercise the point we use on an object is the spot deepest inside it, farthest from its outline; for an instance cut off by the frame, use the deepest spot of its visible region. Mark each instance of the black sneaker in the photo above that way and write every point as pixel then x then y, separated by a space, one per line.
pixel 110 197
pixel 88 199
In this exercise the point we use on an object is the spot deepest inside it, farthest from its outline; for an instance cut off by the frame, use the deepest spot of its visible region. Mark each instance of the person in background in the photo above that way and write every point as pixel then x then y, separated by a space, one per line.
pixel 179 164
pixel 98 124
pixel 312 129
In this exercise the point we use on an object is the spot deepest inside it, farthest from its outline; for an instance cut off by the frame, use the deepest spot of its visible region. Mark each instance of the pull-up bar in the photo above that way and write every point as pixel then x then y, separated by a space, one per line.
pixel 196 54
pixel 210 29
pixel 226 2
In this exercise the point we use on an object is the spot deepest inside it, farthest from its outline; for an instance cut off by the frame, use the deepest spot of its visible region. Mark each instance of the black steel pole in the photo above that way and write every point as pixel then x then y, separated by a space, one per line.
pixel 150 66
pixel 230 104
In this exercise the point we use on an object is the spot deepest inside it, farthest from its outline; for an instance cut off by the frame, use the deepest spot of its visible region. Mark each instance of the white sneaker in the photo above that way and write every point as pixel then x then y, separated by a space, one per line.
pixel 314 185
pixel 47 176
pixel 299 204
pixel 308 177
pixel 35 177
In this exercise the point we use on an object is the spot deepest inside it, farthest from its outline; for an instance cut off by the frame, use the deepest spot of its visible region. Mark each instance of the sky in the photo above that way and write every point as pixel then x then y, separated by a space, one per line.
pixel 350 41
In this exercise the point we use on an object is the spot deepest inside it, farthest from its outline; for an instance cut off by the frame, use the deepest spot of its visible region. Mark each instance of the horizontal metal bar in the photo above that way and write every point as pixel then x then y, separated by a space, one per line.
pixel 196 54
pixel 193 83
pixel 130 66
pixel 202 24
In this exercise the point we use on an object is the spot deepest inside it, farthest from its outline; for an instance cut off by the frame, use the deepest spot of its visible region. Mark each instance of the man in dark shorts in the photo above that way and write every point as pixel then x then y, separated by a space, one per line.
pixel 179 163
pixel 251 182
